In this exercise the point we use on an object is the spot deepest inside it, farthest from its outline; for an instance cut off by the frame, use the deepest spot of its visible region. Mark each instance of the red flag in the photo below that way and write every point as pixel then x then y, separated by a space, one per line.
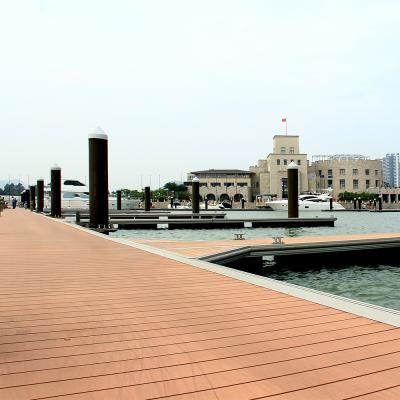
pixel 283 119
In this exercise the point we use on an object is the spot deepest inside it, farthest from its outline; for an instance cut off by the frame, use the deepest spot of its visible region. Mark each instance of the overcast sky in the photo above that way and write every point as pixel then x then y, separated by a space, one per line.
pixel 188 85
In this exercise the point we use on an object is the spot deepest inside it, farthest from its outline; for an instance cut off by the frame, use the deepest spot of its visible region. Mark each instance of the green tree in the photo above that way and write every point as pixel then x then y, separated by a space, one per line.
pixel 12 190
pixel 350 196
pixel 179 190
pixel 160 194
pixel 136 194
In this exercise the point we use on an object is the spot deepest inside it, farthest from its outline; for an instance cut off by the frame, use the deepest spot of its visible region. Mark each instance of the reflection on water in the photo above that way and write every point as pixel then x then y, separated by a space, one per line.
pixel 376 284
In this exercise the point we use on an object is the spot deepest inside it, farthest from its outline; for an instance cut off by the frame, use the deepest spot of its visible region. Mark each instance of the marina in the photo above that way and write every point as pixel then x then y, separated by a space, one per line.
pixel 157 324
pixel 200 201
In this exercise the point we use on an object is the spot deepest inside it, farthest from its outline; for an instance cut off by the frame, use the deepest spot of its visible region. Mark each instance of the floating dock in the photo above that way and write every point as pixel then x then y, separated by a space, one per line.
pixel 88 317
pixel 211 222
pixel 375 247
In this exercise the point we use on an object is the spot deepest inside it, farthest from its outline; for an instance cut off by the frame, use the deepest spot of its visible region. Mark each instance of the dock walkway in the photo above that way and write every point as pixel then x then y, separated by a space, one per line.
pixel 85 318
pixel 201 248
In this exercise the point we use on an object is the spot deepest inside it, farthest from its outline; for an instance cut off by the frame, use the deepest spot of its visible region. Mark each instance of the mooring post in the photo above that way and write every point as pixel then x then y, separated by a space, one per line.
pixel 331 203
pixel 380 203
pixel 359 203
pixel 354 204
pixel 206 203
pixel 147 198
pixel 293 190
pixel 242 200
pixel 40 195
pixel 33 197
pixel 119 200
pixel 98 179
pixel 195 195
pixel 55 175
pixel 27 198
pixel 22 198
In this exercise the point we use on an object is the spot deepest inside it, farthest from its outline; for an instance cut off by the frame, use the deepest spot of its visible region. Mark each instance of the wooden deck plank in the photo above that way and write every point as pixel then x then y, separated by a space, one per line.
pixel 83 317
pixel 245 364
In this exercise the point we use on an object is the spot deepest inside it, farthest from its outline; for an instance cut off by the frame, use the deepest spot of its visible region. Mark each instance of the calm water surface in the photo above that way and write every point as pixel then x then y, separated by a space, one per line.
pixel 347 223
pixel 376 284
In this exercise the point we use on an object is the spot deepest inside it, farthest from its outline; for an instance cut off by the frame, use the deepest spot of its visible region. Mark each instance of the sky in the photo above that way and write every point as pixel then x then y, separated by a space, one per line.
pixel 184 85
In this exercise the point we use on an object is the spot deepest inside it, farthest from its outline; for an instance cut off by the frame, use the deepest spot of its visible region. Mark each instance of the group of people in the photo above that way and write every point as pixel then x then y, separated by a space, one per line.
pixel 4 203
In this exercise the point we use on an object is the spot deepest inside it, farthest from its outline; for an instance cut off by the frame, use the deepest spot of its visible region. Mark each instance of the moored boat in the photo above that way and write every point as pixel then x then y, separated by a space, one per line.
pixel 307 202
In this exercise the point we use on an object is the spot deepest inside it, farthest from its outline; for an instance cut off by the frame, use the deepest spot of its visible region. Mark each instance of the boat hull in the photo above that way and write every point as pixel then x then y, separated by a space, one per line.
pixel 304 206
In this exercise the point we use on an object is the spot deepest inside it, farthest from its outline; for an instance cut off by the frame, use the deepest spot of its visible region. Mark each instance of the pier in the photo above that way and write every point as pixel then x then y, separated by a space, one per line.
pixel 85 316
pixel 203 220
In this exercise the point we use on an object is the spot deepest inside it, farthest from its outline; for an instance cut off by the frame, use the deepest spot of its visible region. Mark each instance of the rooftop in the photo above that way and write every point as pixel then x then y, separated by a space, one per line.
pixel 342 157
pixel 221 171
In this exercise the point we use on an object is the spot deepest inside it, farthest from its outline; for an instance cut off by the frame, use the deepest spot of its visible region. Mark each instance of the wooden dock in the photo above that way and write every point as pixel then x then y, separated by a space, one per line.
pixel 83 317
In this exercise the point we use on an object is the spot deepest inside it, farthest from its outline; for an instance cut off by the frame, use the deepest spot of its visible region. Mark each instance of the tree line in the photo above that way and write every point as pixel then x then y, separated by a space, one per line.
pixel 350 196
pixel 170 189
pixel 10 189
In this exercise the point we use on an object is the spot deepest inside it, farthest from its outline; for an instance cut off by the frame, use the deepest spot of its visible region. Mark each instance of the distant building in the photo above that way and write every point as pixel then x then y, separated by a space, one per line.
pixel 270 174
pixel 223 184
pixel 345 172
pixel 391 170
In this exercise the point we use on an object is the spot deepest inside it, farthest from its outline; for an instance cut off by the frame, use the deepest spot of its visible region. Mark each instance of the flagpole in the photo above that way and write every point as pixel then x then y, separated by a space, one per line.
pixel 285 121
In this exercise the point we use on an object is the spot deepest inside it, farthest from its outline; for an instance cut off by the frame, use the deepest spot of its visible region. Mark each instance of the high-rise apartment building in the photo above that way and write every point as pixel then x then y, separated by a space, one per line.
pixel 391 170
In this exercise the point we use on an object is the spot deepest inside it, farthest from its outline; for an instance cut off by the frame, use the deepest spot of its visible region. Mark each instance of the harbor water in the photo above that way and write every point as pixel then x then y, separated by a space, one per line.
pixel 347 223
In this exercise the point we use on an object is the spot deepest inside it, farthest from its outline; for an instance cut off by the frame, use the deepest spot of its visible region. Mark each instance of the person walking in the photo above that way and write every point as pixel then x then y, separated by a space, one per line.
pixel 14 203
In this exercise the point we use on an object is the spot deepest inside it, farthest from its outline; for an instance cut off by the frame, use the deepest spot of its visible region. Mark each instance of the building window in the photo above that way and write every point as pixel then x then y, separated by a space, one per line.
pixel 283 150
pixel 278 162
pixel 330 183
pixel 215 184
pixel 329 173
pixel 291 150
pixel 377 184
pixel 355 183
pixel 367 184
pixel 227 184
pixel 342 171
pixel 319 172
pixel 342 184
pixel 298 162
pixel 355 171
pixel 376 172
pixel 367 172
pixel 284 162
pixel 242 184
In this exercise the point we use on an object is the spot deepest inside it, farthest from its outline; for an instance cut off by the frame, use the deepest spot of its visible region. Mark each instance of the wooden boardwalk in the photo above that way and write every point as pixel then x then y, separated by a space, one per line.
pixel 85 318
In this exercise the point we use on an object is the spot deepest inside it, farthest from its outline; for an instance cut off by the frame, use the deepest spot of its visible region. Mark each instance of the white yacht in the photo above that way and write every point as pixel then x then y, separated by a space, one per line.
pixel 307 202
pixel 75 195
pixel 210 206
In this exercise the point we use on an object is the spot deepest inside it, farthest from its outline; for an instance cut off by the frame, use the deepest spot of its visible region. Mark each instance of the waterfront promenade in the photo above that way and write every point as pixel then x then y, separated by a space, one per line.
pixel 84 317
